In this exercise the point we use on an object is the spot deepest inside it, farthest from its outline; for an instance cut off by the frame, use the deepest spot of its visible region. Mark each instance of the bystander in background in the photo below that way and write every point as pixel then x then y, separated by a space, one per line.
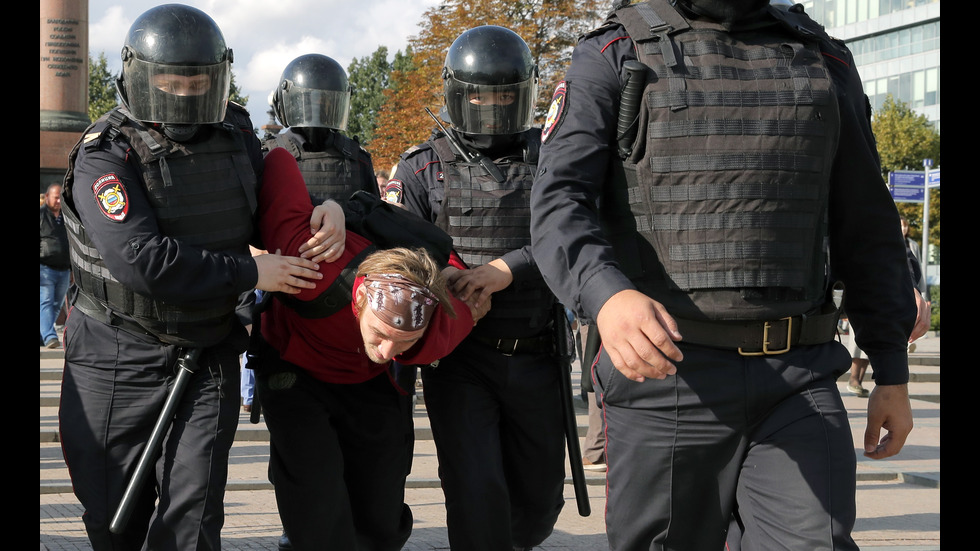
pixel 55 265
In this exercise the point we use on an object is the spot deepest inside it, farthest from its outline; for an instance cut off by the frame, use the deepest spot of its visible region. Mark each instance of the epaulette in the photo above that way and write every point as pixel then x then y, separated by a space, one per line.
pixel 238 106
pixel 599 30
pixel 415 149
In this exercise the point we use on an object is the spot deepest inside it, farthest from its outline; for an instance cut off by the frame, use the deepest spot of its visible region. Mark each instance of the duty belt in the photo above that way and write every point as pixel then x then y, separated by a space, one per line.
pixel 761 338
pixel 541 344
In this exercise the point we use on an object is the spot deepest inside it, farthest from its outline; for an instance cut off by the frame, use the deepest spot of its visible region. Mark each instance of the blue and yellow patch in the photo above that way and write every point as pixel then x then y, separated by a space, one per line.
pixel 110 195
pixel 393 191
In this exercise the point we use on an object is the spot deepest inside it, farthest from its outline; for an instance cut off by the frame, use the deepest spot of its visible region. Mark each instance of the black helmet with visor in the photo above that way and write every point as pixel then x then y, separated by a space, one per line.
pixel 490 82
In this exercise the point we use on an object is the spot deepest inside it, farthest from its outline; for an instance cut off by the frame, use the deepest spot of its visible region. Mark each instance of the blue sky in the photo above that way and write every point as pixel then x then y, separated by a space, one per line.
pixel 268 34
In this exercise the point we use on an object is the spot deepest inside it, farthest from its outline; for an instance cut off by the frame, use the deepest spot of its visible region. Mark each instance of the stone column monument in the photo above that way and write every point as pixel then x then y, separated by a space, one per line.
pixel 64 83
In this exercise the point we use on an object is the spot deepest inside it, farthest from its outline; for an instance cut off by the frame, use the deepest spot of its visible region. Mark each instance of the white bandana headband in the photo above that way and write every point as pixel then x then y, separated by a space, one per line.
pixel 398 302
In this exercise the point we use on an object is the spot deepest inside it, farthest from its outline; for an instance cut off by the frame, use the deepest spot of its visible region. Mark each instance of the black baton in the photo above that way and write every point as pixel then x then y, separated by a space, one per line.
pixel 255 346
pixel 562 347
pixel 186 366
pixel 592 343
pixel 467 155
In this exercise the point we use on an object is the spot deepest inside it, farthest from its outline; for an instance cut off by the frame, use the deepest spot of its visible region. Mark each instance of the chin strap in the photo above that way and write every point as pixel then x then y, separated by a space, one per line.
pixel 181 132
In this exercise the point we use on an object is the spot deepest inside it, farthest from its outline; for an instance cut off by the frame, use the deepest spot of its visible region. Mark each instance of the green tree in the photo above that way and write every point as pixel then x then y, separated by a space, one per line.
pixel 235 93
pixel 904 139
pixel 369 77
pixel 550 28
pixel 101 87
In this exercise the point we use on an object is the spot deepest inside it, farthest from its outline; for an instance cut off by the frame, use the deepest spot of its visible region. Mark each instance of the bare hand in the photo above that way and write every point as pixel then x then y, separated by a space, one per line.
pixel 286 274
pixel 478 306
pixel 481 282
pixel 889 409
pixel 478 310
pixel 329 234
pixel 923 317
pixel 639 334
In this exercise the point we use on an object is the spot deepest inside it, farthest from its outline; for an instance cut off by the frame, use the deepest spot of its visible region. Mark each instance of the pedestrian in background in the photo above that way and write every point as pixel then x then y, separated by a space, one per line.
pixel 55 265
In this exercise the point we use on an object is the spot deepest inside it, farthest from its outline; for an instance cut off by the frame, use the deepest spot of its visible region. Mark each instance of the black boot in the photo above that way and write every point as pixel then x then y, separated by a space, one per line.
pixel 284 543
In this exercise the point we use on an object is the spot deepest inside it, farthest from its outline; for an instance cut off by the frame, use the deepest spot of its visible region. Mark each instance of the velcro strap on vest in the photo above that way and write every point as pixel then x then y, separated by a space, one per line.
pixel 101 311
pixel 761 338
pixel 334 298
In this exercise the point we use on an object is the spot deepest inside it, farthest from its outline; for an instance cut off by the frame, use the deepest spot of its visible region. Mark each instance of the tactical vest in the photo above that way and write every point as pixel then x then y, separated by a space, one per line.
pixel 334 173
pixel 487 219
pixel 203 194
pixel 720 210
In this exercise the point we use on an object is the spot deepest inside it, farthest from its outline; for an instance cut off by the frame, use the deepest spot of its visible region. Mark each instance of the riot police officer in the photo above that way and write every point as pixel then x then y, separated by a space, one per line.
pixel 706 167
pixel 493 402
pixel 313 101
pixel 159 204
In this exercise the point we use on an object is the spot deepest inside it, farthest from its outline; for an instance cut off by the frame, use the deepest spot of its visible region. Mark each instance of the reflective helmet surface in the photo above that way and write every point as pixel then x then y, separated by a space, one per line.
pixel 313 92
pixel 176 67
pixel 490 82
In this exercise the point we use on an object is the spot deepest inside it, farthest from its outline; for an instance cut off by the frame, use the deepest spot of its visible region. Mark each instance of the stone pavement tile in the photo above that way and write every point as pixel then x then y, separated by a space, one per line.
pixel 892 516
pixel 897 515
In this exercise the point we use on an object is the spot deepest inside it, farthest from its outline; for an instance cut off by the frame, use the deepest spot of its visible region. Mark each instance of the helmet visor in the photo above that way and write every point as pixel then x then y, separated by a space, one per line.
pixel 177 94
pixel 310 107
pixel 491 109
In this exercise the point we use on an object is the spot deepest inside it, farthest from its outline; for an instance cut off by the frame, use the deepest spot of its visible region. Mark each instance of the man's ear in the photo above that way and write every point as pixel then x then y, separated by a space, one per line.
pixel 358 297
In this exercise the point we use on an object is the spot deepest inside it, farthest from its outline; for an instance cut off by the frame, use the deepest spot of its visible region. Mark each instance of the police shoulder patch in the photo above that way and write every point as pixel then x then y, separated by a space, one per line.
pixel 110 195
pixel 556 113
pixel 393 192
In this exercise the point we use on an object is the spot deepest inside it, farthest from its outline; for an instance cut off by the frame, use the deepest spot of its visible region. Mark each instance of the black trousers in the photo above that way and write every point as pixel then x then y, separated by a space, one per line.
pixel 497 425
pixel 340 455
pixel 762 440
pixel 114 387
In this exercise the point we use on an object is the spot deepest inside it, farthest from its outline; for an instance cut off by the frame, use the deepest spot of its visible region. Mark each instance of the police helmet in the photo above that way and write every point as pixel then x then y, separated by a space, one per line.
pixel 176 67
pixel 784 5
pixel 490 82
pixel 313 92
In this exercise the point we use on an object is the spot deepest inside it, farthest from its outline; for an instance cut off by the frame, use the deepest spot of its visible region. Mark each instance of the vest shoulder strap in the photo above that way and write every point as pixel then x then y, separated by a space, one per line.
pixel 444 150
pixel 335 297
pixel 652 26
pixel 284 142
pixel 387 227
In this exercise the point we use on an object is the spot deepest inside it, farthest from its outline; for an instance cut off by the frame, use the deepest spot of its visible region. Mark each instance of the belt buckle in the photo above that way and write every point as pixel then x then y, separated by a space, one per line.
pixel 513 351
pixel 765 340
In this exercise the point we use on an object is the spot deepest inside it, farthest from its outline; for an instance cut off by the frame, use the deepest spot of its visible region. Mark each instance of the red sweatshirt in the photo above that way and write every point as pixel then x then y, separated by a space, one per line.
pixel 330 348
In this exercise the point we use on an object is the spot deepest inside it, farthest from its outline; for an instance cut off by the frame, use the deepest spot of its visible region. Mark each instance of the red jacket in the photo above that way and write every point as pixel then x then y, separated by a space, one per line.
pixel 330 348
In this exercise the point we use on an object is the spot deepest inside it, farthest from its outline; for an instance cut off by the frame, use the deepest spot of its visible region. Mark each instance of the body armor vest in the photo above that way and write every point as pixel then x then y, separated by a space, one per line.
pixel 202 193
pixel 334 173
pixel 487 219
pixel 720 210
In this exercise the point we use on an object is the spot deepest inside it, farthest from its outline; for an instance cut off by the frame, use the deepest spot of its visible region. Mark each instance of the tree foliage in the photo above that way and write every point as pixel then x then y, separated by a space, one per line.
pixel 550 28
pixel 904 139
pixel 235 93
pixel 369 77
pixel 101 87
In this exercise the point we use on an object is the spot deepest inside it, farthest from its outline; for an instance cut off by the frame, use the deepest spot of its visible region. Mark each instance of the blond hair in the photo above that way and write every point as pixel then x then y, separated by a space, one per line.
pixel 415 265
